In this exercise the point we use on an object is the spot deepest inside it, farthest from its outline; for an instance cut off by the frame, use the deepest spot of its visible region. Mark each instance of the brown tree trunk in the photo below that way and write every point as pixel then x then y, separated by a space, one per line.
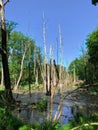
pixel 29 79
pixel 21 71
pixel 7 82
pixel 2 77
pixel 50 78
pixel 47 92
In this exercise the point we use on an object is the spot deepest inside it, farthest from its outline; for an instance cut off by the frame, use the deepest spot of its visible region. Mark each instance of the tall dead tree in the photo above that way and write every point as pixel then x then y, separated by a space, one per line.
pixel 45 56
pixel 84 64
pixel 61 57
pixel 22 65
pixel 50 70
pixel 44 39
pixel 7 82
pixel 36 67
pixel 74 73
pixel 29 71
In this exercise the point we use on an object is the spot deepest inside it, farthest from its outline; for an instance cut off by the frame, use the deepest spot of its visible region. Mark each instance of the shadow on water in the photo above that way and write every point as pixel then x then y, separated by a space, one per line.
pixel 27 113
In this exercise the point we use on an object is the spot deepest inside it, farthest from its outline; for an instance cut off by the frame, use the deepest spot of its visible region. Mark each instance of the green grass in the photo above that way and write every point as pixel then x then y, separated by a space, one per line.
pixel 33 87
pixel 2 88
pixel 7 121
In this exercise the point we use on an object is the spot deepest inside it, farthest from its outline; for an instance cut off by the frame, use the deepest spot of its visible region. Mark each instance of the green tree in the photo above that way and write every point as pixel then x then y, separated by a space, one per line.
pixel 21 59
pixel 94 2
pixel 10 25
pixel 92 47
pixel 4 53
pixel 79 68
pixel 19 45
pixel 80 65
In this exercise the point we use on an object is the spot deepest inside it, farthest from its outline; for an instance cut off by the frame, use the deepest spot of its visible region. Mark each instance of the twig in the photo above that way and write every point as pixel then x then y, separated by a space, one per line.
pixel 57 115
pixel 5 2
pixel 94 123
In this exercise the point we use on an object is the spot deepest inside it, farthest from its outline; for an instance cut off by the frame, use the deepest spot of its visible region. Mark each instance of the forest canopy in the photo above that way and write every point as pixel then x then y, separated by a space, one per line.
pixel 94 2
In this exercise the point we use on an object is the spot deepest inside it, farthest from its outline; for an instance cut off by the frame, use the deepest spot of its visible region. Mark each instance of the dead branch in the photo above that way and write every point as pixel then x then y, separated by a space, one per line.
pixel 5 2
pixel 94 123
pixel 90 85
pixel 58 112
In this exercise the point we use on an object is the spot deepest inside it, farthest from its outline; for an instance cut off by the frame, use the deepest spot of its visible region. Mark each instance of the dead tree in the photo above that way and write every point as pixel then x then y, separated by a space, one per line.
pixel 29 71
pixel 22 66
pixel 47 91
pixel 36 67
pixel 53 89
pixel 84 64
pixel 7 82
pixel 45 55
pixel 50 70
pixel 74 73
pixel 2 76
pixel 49 74
pixel 61 61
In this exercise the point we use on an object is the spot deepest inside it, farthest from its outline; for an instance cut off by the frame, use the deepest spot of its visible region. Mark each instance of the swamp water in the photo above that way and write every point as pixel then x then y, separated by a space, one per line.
pixel 71 106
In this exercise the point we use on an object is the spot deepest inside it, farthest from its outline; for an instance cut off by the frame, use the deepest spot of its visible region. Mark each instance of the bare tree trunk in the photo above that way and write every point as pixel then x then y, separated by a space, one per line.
pixel 74 74
pixel 48 80
pixel 45 54
pixel 47 92
pixel 53 89
pixel 7 82
pixel 61 64
pixel 29 79
pixel 56 85
pixel 29 69
pixel 2 77
pixel 36 69
pixel 36 78
pixel 50 77
pixel 21 71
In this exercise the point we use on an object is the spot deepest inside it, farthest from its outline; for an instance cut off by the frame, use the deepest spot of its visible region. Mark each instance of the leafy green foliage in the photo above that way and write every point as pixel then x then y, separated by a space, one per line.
pixel 17 43
pixel 94 2
pixel 65 127
pixel 42 105
pixel 80 120
pixel 78 65
pixel 92 46
pixel 25 127
pixel 86 66
pixel 47 125
pixel 7 121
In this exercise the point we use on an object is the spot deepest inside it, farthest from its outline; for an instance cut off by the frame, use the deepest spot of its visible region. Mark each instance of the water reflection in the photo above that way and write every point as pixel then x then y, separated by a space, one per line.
pixel 31 116
pixel 69 110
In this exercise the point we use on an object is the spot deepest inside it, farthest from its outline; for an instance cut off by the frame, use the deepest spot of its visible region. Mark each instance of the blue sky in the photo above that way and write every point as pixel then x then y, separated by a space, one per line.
pixel 77 18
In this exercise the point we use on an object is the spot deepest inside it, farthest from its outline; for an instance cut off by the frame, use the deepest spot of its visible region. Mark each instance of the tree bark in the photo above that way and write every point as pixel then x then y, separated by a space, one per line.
pixel 29 78
pixel 2 77
pixel 21 71
pixel 47 92
pixel 50 78
pixel 7 82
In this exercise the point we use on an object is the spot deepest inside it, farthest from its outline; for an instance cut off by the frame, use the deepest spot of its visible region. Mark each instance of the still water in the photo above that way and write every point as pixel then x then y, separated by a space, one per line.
pixel 71 105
